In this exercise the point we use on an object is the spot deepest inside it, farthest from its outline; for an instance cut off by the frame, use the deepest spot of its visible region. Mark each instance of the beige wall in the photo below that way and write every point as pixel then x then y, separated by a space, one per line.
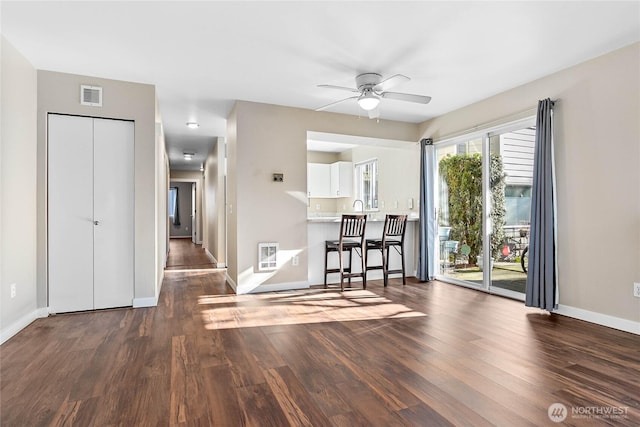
pixel 264 139
pixel 60 93
pixel 232 197
pixel 597 149
pixel 18 212
pixel 214 203
pixel 322 157
pixel 208 200
pixel 162 220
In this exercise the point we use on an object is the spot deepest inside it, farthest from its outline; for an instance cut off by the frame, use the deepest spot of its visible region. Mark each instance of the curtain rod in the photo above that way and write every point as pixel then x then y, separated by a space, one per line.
pixel 503 120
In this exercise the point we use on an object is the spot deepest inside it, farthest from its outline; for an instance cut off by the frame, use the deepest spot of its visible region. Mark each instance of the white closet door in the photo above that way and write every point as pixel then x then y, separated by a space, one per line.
pixel 70 211
pixel 113 211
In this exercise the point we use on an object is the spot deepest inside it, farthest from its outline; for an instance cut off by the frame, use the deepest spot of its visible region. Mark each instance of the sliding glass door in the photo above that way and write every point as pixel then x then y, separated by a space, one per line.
pixel 484 202
pixel 510 237
pixel 460 227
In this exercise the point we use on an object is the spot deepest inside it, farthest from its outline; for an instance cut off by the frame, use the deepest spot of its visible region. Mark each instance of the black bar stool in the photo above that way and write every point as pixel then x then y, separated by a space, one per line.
pixel 351 238
pixel 392 237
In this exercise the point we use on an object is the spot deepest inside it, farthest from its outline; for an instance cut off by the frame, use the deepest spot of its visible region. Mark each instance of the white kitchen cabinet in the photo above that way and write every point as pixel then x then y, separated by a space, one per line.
pixel 341 179
pixel 330 180
pixel 319 180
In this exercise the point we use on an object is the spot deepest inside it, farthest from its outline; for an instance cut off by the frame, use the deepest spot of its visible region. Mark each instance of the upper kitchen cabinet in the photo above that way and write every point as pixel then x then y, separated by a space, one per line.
pixel 319 180
pixel 341 179
pixel 326 180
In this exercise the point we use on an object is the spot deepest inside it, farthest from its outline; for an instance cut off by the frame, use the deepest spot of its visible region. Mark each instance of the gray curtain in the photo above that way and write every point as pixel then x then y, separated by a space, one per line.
pixel 176 209
pixel 427 224
pixel 542 276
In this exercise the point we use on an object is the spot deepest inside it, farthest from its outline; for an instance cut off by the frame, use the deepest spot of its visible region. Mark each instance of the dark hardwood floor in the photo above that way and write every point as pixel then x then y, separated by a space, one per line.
pixel 427 354
pixel 184 254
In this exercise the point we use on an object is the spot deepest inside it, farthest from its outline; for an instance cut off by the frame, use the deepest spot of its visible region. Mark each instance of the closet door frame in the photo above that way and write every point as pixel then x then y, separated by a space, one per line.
pixel 97 272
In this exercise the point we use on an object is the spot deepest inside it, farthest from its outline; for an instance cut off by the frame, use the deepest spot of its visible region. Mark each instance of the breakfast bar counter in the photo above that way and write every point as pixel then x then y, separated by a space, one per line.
pixel 322 228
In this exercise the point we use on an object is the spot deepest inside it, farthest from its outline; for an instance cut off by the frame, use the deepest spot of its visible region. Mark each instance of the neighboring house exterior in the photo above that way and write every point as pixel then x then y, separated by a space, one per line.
pixel 516 149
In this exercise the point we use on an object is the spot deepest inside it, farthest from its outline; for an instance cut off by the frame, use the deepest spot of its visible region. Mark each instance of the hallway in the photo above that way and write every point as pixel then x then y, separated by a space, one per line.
pixel 186 255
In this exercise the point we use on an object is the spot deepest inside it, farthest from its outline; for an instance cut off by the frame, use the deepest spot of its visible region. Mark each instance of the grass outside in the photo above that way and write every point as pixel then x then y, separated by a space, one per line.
pixel 505 275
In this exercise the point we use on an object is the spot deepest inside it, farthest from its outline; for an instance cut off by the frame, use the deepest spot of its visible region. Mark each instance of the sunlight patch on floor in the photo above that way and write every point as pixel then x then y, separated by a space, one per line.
pixel 298 307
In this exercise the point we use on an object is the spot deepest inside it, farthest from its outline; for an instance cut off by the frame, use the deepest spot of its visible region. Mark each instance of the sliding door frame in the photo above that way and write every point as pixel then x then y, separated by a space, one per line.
pixel 487 227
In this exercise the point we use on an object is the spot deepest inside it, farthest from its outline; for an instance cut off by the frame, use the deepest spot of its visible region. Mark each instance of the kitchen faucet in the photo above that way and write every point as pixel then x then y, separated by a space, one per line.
pixel 361 205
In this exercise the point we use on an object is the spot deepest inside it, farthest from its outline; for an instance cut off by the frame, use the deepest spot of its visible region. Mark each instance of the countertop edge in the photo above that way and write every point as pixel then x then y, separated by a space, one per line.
pixel 337 220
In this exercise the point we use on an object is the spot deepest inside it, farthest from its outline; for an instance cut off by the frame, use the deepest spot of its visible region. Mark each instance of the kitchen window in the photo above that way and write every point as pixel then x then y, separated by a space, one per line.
pixel 367 183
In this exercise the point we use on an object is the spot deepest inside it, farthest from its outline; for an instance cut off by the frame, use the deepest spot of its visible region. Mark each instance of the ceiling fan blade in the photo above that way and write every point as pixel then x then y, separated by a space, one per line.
pixel 390 82
pixel 340 88
pixel 420 99
pixel 334 103
pixel 375 113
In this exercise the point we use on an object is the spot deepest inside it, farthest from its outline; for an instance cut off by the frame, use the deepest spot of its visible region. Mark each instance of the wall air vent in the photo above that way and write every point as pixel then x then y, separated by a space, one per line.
pixel 91 95
pixel 267 254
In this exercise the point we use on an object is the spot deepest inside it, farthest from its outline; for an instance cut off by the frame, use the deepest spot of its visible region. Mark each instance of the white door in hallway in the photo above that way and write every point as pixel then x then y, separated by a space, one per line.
pixel 90 213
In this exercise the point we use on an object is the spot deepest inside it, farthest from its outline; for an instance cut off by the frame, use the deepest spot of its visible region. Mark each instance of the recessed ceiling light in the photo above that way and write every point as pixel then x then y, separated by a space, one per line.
pixel 188 156
pixel 193 125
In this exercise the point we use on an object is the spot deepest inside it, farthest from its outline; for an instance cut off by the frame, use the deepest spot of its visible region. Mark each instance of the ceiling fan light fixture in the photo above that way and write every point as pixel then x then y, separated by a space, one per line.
pixel 368 101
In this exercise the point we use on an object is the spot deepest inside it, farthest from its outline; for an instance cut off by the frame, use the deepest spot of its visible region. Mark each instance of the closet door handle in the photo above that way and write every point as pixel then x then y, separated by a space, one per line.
pixel 96 222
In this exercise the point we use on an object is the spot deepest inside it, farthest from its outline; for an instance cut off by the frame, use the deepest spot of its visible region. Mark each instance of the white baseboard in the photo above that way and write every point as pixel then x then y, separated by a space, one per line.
pixel 231 282
pixel 22 323
pixel 599 318
pixel 159 284
pixel 218 264
pixel 145 302
pixel 273 287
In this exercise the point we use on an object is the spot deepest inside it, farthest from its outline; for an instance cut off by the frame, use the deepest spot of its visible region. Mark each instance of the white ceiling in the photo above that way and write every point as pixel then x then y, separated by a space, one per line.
pixel 202 56
pixel 337 143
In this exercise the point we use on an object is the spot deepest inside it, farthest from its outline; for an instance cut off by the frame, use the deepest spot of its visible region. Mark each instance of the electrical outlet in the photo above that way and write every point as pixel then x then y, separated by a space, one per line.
pixel 295 260
pixel 636 290
pixel 13 290
pixel 317 206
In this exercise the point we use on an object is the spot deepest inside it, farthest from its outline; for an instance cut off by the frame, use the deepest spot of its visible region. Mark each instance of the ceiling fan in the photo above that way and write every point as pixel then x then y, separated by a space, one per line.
pixel 371 87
